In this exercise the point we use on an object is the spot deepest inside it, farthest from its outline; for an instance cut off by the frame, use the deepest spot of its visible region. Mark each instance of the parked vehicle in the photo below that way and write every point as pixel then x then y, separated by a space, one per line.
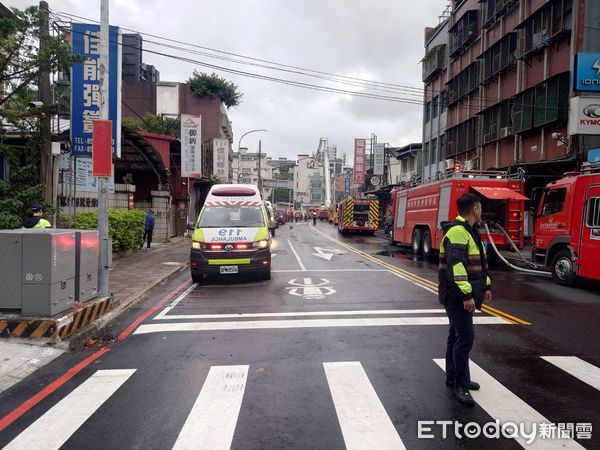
pixel 418 212
pixel 567 227
pixel 358 214
pixel 231 234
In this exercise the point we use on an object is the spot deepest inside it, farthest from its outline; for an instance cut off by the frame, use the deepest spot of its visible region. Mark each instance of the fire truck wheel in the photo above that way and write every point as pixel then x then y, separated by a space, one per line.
pixel 427 249
pixel 390 236
pixel 562 268
pixel 417 241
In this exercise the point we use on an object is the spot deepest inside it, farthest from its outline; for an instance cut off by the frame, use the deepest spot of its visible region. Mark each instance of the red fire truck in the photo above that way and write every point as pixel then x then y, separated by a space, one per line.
pixel 419 211
pixel 358 214
pixel 567 227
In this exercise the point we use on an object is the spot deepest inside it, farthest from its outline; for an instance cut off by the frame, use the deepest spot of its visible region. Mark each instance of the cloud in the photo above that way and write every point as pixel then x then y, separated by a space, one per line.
pixel 380 40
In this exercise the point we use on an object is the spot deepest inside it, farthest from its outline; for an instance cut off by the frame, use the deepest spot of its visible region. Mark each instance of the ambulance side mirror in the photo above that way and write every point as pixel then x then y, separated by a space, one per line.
pixel 191 226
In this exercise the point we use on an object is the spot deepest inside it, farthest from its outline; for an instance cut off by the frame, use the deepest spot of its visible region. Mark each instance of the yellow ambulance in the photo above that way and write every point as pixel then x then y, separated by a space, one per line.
pixel 231 235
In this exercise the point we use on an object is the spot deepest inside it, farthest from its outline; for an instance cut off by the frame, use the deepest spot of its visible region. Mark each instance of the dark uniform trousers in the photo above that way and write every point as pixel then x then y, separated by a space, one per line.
pixel 460 342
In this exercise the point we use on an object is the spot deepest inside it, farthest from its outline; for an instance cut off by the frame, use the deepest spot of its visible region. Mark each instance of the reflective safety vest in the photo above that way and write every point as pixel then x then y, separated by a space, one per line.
pixel 463 265
pixel 43 223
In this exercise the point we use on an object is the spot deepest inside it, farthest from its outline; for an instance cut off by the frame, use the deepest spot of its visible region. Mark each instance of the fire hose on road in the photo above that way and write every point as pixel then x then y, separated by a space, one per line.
pixel 533 266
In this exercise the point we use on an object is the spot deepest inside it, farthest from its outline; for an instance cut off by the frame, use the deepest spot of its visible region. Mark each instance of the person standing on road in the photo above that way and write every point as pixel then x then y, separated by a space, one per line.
pixel 149 227
pixel 314 218
pixel 463 286
pixel 36 220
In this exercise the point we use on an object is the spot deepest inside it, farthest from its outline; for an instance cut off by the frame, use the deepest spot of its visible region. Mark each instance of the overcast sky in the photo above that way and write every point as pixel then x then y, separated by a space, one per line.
pixel 378 40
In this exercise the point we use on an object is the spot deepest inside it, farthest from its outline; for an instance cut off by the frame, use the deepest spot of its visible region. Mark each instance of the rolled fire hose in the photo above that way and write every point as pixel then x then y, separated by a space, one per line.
pixel 504 260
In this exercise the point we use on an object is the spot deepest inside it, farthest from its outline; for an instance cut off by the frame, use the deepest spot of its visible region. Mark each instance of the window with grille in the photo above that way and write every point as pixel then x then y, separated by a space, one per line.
pixel 593 212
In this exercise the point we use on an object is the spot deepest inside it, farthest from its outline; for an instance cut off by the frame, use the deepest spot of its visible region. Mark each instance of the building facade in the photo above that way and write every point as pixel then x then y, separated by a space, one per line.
pixel 245 167
pixel 309 182
pixel 404 163
pixel 435 67
pixel 506 87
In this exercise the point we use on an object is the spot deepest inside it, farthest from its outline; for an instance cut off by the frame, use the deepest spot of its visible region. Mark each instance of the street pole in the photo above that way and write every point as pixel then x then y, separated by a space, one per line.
pixel 259 167
pixel 45 96
pixel 103 286
pixel 240 146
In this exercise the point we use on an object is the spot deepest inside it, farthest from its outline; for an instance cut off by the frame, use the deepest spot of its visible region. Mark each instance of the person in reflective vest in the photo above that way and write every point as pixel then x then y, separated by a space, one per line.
pixel 464 285
pixel 36 220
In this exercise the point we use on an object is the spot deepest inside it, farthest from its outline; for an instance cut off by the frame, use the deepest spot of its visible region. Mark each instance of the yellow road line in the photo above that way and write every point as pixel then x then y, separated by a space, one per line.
pixel 423 282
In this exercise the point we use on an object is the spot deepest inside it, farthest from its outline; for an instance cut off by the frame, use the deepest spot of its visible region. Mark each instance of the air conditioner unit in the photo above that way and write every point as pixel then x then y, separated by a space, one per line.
pixel 470 164
pixel 449 163
pixel 504 132
pixel 486 138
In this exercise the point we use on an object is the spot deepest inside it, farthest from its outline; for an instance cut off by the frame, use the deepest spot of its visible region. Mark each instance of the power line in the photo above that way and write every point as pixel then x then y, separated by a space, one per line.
pixel 288 66
pixel 309 86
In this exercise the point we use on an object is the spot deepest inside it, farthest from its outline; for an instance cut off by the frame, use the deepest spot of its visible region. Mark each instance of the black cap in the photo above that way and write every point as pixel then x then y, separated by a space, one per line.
pixel 37 207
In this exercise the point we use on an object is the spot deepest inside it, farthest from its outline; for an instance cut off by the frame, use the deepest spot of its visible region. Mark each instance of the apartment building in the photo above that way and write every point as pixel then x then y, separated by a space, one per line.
pixel 501 76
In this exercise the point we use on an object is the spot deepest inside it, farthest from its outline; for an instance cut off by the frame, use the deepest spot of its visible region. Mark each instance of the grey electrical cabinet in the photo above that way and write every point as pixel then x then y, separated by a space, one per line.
pixel 11 262
pixel 48 274
pixel 37 271
pixel 86 265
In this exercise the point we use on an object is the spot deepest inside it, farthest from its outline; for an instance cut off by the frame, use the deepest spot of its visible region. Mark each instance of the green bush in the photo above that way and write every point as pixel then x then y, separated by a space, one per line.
pixel 126 228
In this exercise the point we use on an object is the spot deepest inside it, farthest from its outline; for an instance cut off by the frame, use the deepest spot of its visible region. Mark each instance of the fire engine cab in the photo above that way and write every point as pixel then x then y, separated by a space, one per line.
pixel 567 227
pixel 419 211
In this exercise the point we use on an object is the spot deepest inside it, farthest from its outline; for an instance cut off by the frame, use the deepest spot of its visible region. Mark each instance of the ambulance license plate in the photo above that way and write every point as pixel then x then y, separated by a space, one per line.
pixel 228 269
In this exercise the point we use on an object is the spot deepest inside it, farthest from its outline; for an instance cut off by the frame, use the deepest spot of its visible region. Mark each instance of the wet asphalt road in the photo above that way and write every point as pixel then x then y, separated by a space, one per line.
pixel 337 350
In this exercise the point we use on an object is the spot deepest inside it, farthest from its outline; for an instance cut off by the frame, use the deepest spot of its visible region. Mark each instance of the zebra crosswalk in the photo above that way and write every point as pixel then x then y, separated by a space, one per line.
pixel 363 419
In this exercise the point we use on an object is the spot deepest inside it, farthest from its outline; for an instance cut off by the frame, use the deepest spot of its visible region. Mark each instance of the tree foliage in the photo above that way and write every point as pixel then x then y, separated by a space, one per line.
pixel 21 62
pixel 170 126
pixel 214 86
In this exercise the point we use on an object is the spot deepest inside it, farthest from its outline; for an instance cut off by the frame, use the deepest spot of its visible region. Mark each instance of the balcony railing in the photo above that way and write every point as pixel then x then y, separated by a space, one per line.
pixel 463 33
pixel 434 62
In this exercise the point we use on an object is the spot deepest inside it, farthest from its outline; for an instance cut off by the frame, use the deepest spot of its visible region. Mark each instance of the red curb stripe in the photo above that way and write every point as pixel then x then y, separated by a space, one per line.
pixel 27 405
pixel 127 331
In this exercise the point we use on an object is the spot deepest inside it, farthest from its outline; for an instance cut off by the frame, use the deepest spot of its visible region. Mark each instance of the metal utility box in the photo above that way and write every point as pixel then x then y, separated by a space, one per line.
pixel 48 273
pixel 86 265
pixel 11 262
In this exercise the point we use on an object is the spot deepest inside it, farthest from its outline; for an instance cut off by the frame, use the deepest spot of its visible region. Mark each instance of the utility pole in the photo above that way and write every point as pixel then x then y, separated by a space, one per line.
pixel 103 286
pixel 45 96
pixel 260 167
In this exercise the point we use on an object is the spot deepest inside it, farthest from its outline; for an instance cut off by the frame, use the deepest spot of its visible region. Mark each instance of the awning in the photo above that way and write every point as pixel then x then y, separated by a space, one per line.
pixel 499 193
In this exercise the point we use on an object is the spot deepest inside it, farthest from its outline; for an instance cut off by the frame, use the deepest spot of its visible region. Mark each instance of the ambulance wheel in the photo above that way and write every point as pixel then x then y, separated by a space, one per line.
pixel 563 270
pixel 417 241
pixel 427 247
pixel 265 276
pixel 198 278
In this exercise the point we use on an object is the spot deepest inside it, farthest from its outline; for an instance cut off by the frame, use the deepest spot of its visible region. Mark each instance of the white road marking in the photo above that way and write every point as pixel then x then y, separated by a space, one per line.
pixel 57 425
pixel 310 290
pixel 586 372
pixel 307 323
pixel 502 404
pixel 363 419
pixel 370 312
pixel 327 253
pixel 297 256
pixel 213 418
pixel 174 303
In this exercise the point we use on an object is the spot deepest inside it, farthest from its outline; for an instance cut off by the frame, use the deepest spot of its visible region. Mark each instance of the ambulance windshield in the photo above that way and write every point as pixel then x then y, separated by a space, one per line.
pixel 231 216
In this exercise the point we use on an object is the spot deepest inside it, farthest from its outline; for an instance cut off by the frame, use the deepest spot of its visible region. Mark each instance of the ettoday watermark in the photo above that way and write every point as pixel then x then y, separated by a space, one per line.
pixel 529 432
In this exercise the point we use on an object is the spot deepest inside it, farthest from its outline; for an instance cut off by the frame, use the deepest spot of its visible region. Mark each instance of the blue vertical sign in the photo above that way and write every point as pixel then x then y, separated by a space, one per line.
pixel 347 184
pixel 85 87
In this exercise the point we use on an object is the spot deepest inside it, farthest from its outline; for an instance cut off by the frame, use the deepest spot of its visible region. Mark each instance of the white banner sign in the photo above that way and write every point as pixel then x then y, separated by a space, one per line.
pixel 379 159
pixel 221 159
pixel 584 115
pixel 191 145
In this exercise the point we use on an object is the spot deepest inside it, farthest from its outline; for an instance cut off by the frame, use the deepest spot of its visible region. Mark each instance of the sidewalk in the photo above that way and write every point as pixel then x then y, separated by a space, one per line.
pixel 131 279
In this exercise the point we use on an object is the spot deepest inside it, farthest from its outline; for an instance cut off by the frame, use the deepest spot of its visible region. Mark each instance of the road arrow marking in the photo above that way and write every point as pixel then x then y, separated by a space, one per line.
pixel 327 253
